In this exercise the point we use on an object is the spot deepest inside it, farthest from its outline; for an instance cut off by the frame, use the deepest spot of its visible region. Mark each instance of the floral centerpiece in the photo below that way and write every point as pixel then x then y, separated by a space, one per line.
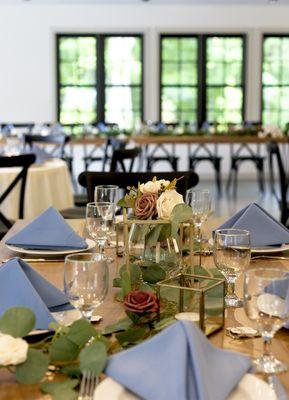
pixel 156 214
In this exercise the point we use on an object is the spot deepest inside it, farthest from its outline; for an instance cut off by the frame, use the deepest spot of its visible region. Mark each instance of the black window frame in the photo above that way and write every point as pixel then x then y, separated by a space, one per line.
pixel 202 73
pixel 264 36
pixel 100 70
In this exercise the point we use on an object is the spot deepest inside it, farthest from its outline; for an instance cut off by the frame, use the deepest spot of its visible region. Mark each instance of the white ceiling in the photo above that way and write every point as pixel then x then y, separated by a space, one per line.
pixel 158 2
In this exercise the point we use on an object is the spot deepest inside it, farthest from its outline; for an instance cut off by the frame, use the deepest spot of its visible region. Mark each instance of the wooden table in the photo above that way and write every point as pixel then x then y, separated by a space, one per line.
pixel 179 139
pixel 112 311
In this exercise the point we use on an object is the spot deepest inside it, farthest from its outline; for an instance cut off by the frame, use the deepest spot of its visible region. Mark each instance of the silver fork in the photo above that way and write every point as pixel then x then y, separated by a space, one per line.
pixel 89 382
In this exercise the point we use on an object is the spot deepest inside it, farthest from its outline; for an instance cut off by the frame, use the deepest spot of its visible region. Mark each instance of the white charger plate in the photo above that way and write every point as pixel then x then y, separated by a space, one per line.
pixel 249 388
pixel 51 253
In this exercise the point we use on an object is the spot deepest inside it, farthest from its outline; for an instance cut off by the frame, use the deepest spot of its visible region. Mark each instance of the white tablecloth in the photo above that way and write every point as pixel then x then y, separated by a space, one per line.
pixel 47 184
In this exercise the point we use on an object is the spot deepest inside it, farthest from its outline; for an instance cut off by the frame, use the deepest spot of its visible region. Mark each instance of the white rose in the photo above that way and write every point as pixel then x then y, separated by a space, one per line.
pixel 167 201
pixel 154 186
pixel 149 187
pixel 13 351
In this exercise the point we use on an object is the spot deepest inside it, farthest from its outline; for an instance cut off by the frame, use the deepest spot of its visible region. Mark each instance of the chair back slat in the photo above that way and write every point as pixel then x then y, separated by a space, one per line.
pixel 24 161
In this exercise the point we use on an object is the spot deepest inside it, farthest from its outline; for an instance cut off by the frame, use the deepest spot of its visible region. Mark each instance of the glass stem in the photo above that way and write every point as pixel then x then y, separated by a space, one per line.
pixel 230 288
pixel 199 240
pixel 267 348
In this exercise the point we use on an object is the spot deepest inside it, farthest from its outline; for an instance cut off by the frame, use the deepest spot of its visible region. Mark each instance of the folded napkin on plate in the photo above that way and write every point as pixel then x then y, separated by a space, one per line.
pixel 264 229
pixel 21 285
pixel 40 153
pixel 49 231
pixel 178 363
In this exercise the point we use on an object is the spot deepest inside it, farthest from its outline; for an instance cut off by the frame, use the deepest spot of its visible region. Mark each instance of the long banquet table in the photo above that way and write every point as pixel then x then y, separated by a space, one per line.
pixel 112 311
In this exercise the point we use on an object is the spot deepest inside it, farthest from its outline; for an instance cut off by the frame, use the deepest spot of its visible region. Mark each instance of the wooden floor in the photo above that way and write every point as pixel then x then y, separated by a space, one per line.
pixel 226 205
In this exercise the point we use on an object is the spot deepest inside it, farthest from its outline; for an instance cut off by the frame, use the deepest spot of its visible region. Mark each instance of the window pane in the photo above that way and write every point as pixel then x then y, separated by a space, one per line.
pixel 224 72
pixel 275 81
pixel 123 80
pixel 77 79
pixel 126 112
pixel 77 105
pixel 77 61
pixel 123 61
pixel 179 79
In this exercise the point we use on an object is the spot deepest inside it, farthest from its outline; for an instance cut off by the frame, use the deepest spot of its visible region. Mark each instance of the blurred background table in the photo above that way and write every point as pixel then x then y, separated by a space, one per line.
pixel 48 184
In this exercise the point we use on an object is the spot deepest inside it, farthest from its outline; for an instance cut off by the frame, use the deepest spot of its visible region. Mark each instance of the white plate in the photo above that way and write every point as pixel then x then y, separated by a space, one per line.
pixel 51 253
pixel 249 388
pixel 265 249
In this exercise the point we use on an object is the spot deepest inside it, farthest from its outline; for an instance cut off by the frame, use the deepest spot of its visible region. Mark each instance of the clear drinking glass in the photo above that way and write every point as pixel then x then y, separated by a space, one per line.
pixel 266 301
pixel 86 281
pixel 108 194
pixel 98 217
pixel 232 254
pixel 200 201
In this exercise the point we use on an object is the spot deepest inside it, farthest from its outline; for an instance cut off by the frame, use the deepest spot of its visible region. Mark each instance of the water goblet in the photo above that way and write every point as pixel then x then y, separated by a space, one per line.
pixel 200 202
pixel 98 216
pixel 266 302
pixel 108 194
pixel 232 254
pixel 86 281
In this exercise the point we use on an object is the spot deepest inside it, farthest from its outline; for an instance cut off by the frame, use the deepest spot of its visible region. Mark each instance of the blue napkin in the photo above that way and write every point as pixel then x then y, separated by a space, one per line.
pixel 178 363
pixel 49 231
pixel 264 229
pixel 21 285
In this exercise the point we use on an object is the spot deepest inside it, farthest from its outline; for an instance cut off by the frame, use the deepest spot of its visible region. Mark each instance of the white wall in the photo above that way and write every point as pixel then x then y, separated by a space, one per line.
pixel 27 46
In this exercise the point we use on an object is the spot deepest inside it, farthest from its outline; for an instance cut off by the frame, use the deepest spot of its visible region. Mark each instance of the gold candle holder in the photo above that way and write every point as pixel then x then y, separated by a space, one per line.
pixel 196 298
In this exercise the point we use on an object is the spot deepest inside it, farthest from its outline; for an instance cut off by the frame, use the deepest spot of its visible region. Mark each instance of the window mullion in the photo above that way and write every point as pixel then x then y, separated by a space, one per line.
pixel 202 93
pixel 100 79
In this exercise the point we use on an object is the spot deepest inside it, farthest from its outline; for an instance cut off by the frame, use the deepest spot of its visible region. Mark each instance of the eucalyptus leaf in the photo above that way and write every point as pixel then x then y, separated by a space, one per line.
pixel 131 336
pixel 71 370
pixel 134 271
pixel 122 203
pixel 80 332
pixel 63 349
pixel 163 323
pixel 93 358
pixel 33 369
pixel 145 287
pixel 181 213
pixel 125 283
pixel 153 236
pixel 17 321
pixel 121 325
pixel 153 274
pixel 165 232
pixel 61 390
pixel 116 282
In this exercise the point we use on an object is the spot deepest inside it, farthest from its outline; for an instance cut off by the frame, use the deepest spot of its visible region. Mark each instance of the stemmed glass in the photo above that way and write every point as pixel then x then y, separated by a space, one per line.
pixel 266 301
pixel 108 194
pixel 200 201
pixel 98 218
pixel 232 254
pixel 86 281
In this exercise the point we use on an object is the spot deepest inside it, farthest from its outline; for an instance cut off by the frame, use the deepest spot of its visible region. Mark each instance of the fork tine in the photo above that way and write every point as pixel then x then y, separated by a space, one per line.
pixel 82 386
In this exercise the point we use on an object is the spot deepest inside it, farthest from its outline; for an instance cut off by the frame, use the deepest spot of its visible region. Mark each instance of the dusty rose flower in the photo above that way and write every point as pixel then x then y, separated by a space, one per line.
pixel 141 302
pixel 145 206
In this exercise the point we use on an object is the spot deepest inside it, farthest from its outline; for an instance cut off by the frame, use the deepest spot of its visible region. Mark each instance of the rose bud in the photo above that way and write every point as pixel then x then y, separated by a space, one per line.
pixel 145 206
pixel 141 302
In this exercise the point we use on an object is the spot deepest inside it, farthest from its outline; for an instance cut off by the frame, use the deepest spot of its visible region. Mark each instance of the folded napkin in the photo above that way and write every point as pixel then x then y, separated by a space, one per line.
pixel 21 285
pixel 178 363
pixel 264 229
pixel 49 231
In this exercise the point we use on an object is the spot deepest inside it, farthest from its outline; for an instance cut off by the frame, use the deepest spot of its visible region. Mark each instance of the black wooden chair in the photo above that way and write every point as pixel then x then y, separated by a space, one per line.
pixel 89 180
pixel 203 153
pixel 274 154
pixel 120 156
pixel 56 142
pixel 23 162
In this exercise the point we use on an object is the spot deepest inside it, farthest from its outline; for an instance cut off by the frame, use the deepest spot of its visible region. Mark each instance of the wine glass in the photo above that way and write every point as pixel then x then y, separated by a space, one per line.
pixel 86 281
pixel 98 217
pixel 200 201
pixel 232 253
pixel 266 301
pixel 107 194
